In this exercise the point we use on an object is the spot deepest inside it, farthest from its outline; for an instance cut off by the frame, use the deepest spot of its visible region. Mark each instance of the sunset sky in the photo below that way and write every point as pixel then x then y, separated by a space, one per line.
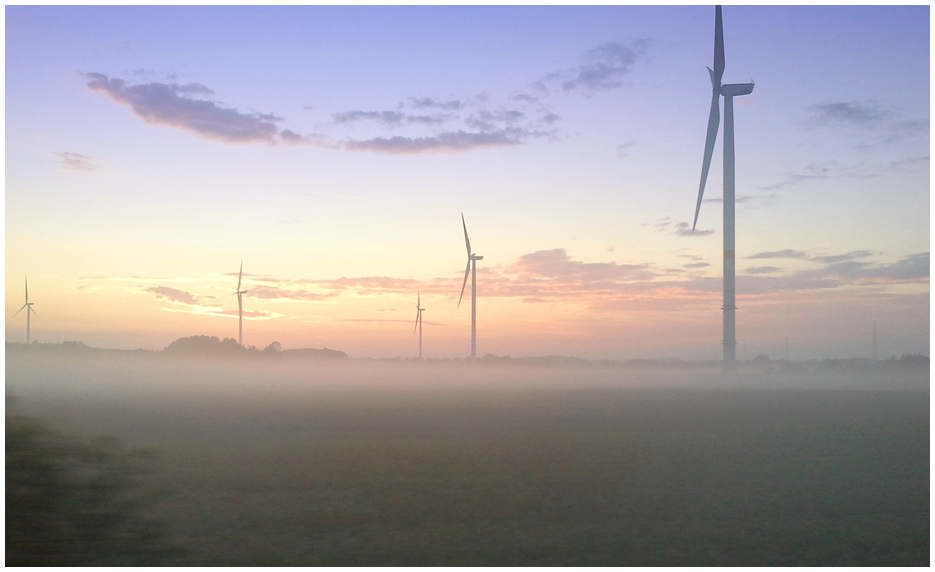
pixel 150 150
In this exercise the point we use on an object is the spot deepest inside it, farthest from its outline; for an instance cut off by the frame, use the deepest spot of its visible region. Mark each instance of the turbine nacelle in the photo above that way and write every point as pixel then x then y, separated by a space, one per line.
pixel 476 257
pixel 735 89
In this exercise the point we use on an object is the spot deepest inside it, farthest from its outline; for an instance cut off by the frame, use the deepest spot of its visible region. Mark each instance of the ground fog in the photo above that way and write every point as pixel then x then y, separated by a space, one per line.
pixel 395 463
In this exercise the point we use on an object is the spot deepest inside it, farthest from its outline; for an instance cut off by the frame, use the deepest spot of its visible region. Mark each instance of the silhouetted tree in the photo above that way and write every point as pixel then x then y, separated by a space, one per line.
pixel 209 345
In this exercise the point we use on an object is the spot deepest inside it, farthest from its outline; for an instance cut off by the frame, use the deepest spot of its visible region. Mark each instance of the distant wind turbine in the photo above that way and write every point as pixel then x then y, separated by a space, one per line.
pixel 240 294
pixel 729 91
pixel 472 270
pixel 419 309
pixel 28 307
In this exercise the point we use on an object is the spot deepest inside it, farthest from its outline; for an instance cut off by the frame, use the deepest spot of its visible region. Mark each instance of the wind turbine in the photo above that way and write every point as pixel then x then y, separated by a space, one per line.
pixel 729 91
pixel 419 309
pixel 28 307
pixel 240 294
pixel 472 270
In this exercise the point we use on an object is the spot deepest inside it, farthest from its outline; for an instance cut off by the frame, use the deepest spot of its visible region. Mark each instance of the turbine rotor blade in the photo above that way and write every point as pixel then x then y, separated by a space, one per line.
pixel 714 120
pixel 467 241
pixel 718 45
pixel 240 275
pixel 27 290
pixel 21 309
pixel 466 272
pixel 418 315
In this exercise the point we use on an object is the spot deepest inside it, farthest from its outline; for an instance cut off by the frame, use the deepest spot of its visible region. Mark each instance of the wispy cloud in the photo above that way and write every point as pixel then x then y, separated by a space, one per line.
pixel 624 149
pixel 684 229
pixel 432 103
pixel 869 118
pixel 173 295
pixel 849 114
pixel 75 163
pixel 451 142
pixel 786 253
pixel 264 292
pixel 184 107
pixel 836 258
pixel 604 68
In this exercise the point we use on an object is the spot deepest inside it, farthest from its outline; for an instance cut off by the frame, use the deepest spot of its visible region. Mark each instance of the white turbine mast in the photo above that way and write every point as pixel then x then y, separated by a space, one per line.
pixel 729 91
pixel 29 309
pixel 240 294
pixel 472 270
pixel 418 325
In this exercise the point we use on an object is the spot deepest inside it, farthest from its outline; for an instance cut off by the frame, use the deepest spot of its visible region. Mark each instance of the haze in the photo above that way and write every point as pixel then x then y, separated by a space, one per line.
pixel 150 150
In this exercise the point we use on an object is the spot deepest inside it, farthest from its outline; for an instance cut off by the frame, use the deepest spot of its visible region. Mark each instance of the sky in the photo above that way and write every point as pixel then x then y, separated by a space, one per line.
pixel 332 151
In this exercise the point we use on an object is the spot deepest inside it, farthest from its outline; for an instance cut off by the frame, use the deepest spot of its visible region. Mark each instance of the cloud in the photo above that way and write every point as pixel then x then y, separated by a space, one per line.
pixel 605 67
pixel 823 170
pixel 556 264
pixel 683 229
pixel 369 285
pixel 623 150
pixel 762 270
pixel 191 107
pixel 787 253
pixel 882 124
pixel 385 117
pixel 752 200
pixel 847 114
pixel 431 103
pixel 173 295
pixel 75 163
pixel 452 141
pixel 486 120
pixel 276 293
pixel 696 265
pixel 173 105
pixel 842 257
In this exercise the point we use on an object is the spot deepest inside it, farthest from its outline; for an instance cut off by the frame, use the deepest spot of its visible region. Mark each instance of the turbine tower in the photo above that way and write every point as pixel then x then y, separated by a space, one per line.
pixel 240 294
pixel 28 307
pixel 472 270
pixel 729 91
pixel 419 309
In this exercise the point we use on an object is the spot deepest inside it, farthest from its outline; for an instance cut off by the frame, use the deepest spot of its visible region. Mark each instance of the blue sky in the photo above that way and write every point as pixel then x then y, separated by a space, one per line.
pixel 332 149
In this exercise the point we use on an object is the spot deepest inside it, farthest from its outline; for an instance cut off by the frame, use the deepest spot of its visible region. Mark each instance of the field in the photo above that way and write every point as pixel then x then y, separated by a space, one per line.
pixel 420 464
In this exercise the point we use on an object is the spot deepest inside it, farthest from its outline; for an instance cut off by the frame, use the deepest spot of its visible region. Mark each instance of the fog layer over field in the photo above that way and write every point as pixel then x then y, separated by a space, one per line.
pixel 396 463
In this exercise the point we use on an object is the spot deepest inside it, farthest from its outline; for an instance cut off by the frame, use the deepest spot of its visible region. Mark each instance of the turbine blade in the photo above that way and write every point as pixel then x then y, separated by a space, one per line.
pixel 31 309
pixel 240 275
pixel 27 290
pixel 718 45
pixel 714 120
pixel 418 315
pixel 466 272
pixel 21 309
pixel 467 241
pixel 418 299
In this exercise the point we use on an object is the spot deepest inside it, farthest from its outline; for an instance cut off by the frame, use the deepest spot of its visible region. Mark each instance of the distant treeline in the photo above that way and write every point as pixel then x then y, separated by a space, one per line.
pixel 189 346
pixel 211 346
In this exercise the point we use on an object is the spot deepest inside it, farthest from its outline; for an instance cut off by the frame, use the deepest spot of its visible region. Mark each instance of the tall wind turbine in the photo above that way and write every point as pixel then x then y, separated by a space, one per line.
pixel 419 309
pixel 729 91
pixel 28 307
pixel 472 270
pixel 240 294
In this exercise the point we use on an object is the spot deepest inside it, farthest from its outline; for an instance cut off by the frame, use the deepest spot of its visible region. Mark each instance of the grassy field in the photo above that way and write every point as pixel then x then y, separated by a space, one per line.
pixel 559 474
